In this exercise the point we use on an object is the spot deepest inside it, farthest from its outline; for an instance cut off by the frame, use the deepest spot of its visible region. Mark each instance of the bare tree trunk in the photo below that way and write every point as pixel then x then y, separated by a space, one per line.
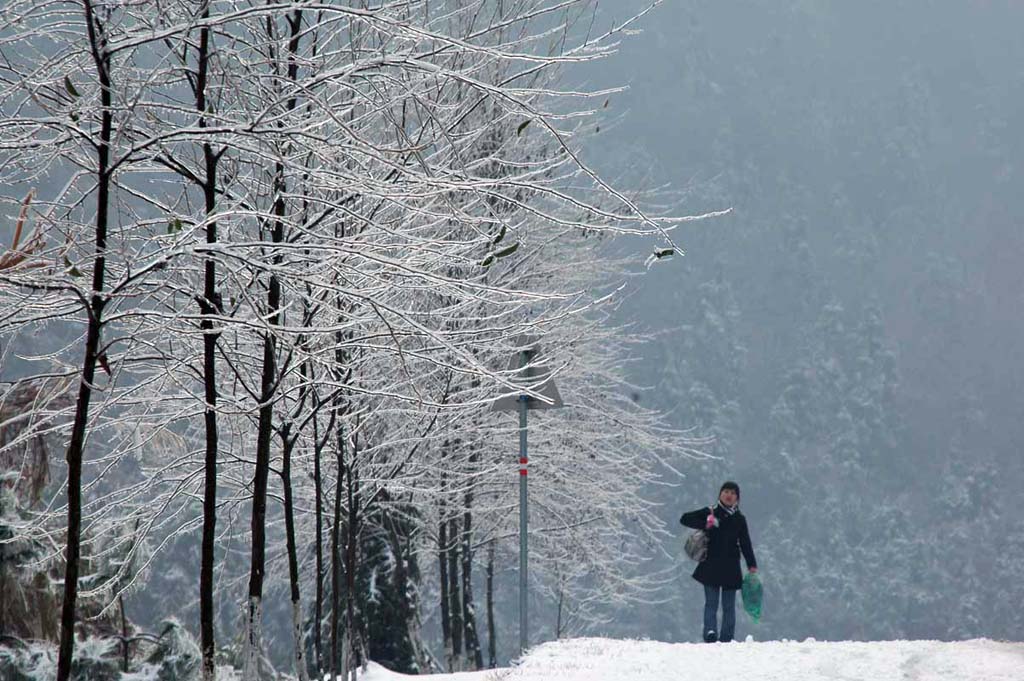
pixel 258 524
pixel 455 606
pixel 492 641
pixel 319 509
pixel 76 444
pixel 268 386
pixel 295 24
pixel 124 634
pixel 558 618
pixel 209 306
pixel 336 558
pixel 293 558
pixel 337 636
pixel 351 560
pixel 442 559
pixel 472 640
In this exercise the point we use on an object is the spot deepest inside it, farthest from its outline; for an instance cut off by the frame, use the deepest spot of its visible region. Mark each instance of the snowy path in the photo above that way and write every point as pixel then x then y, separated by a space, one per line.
pixel 594 659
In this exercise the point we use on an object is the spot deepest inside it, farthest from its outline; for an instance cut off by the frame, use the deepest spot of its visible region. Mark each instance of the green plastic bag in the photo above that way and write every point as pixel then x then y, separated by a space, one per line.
pixel 752 596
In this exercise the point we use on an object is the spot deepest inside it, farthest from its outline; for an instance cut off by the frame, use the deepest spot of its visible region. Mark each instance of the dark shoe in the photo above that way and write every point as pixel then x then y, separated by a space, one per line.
pixel 710 637
pixel 727 639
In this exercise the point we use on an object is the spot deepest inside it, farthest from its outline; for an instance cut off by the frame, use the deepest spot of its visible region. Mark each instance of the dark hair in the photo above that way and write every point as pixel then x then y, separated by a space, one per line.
pixel 729 484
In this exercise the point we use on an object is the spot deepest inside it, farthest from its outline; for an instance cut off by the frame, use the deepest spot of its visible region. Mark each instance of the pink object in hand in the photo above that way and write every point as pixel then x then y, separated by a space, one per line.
pixel 712 522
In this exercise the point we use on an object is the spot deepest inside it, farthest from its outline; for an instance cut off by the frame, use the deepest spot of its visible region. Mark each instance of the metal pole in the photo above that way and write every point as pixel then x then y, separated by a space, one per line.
pixel 522 523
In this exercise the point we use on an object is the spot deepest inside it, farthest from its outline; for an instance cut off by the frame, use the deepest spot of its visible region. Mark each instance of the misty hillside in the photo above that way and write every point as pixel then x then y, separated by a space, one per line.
pixel 851 333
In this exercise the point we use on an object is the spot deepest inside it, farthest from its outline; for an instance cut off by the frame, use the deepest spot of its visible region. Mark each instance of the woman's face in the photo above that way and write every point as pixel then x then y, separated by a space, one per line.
pixel 728 497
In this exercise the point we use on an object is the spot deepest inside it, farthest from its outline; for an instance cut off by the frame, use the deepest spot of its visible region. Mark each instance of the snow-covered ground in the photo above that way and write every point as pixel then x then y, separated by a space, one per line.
pixel 596 659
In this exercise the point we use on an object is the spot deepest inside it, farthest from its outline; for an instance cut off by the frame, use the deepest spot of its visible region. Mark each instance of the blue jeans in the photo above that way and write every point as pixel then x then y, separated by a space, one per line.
pixel 711 595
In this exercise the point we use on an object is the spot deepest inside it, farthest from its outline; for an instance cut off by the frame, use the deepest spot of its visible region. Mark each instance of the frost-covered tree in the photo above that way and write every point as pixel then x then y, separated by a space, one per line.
pixel 313 233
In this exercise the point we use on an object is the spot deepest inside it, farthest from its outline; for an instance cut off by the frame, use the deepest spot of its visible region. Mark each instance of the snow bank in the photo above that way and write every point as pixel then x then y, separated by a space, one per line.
pixel 595 659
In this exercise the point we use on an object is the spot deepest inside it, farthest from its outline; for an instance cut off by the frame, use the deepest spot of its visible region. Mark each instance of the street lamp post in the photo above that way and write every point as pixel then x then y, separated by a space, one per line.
pixel 534 377
pixel 524 401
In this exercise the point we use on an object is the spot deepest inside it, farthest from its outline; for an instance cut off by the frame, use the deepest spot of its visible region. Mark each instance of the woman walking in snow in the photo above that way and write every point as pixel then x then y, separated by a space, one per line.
pixel 720 571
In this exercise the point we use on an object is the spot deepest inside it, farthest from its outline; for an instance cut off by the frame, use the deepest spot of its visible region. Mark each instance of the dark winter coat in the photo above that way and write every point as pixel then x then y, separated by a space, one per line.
pixel 722 565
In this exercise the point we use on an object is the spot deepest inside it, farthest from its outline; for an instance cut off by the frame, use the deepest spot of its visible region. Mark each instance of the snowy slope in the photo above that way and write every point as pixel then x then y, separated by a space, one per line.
pixel 594 659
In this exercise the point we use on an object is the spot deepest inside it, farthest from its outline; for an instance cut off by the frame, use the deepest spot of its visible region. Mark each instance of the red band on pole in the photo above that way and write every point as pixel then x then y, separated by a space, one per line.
pixel 523 460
